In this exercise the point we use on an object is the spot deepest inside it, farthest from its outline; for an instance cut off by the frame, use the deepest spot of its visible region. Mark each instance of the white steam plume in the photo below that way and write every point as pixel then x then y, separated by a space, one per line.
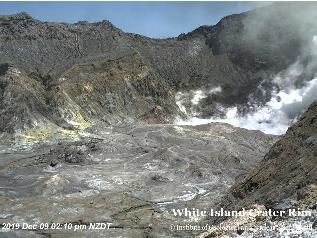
pixel 288 102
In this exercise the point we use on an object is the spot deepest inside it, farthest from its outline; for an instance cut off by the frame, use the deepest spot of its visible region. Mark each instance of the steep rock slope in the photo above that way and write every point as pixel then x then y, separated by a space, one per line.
pixel 285 180
pixel 288 171
pixel 22 99
pixel 229 55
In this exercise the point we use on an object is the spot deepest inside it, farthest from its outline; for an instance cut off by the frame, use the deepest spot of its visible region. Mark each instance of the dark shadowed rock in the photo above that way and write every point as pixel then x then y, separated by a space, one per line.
pixel 287 169
pixel 285 179
pixel 84 72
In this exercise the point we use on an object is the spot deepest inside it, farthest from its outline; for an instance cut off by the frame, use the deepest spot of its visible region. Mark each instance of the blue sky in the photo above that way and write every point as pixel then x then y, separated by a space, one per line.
pixel 153 19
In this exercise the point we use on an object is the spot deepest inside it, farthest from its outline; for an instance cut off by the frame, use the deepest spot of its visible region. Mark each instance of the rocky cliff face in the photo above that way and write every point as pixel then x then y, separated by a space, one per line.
pixel 288 171
pixel 118 75
pixel 285 179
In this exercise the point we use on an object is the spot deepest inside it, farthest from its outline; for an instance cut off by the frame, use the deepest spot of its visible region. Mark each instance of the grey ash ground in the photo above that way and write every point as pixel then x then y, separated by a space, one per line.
pixel 130 176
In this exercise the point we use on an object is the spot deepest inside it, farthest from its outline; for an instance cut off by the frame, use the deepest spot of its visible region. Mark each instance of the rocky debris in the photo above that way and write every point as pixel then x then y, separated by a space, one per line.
pixel 247 226
pixel 71 153
pixel 286 178
pixel 22 16
pixel 22 100
pixel 131 176
pixel 288 167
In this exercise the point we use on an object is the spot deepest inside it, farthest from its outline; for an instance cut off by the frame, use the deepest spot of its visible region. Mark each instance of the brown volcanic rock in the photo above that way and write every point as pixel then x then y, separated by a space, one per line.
pixel 22 100
pixel 102 55
pixel 124 86
pixel 288 171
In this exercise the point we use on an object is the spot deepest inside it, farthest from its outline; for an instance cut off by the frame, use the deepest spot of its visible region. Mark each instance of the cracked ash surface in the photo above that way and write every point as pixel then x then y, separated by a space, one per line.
pixel 130 176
